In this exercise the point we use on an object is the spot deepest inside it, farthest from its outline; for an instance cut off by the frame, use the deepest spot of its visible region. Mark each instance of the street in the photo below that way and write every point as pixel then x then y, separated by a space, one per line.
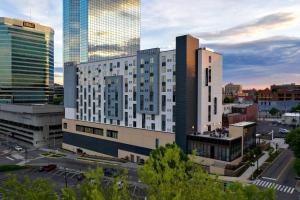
pixel 280 176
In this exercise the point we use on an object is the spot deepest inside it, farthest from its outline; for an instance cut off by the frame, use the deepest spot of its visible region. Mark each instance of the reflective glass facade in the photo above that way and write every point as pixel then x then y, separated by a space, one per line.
pixel 26 62
pixel 97 30
pixel 71 31
pixel 109 29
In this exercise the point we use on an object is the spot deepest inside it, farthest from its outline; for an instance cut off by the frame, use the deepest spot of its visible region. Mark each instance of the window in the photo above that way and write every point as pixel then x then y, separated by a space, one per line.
pixel 209 75
pixel 206 76
pixel 126 101
pixel 98 131
pixel 134 124
pixel 163 122
pixel 143 120
pixel 153 126
pixel 126 118
pixel 209 59
pixel 156 143
pixel 152 117
pixel 163 102
pixel 209 113
pixel 151 60
pixel 215 105
pixel 65 125
pixel 209 93
pixel 112 134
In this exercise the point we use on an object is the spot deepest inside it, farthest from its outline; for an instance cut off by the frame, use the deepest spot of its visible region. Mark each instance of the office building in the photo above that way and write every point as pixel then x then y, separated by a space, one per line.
pixel 26 62
pixel 96 30
pixel 128 106
pixel 36 124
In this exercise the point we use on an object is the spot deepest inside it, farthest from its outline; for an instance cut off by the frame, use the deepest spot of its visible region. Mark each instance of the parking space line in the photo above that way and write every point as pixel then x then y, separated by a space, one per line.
pixel 9 158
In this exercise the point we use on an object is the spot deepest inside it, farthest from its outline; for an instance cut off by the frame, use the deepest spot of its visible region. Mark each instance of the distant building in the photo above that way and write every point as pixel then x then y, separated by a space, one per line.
pixel 36 124
pixel 58 90
pixel 26 62
pixel 292 119
pixel 232 89
pixel 281 97
pixel 239 113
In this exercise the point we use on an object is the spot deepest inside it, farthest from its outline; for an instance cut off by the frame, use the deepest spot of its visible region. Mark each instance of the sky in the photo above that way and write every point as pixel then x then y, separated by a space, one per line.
pixel 260 40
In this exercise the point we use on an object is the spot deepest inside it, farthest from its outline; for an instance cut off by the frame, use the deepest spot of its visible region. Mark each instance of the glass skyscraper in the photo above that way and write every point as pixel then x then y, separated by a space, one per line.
pixel 97 30
pixel 26 62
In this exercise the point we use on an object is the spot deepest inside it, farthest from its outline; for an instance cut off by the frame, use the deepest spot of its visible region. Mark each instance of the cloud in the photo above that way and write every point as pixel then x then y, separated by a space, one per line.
pixel 273 60
pixel 263 24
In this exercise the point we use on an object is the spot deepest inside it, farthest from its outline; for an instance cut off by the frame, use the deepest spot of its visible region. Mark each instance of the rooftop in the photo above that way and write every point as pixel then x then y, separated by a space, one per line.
pixel 32 108
pixel 243 124
pixel 291 114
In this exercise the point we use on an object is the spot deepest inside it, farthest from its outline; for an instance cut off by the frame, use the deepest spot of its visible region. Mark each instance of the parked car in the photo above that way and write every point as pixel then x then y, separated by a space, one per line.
pixel 18 148
pixel 110 172
pixel 47 168
pixel 283 131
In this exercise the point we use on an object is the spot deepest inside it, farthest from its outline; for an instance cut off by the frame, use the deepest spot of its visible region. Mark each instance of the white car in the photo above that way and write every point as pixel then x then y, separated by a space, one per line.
pixel 283 131
pixel 18 148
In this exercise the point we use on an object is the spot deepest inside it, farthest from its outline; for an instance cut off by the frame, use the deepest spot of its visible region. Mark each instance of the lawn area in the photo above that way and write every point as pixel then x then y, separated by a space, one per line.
pixel 53 155
pixel 8 168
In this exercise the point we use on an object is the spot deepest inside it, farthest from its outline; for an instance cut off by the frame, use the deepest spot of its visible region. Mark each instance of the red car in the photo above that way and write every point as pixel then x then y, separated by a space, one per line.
pixel 48 168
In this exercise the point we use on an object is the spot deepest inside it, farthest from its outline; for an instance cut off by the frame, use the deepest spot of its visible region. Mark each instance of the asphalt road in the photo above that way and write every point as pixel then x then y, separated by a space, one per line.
pixel 281 173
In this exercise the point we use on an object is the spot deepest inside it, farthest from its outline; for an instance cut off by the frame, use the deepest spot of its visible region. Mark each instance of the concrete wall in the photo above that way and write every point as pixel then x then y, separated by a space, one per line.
pixel 128 139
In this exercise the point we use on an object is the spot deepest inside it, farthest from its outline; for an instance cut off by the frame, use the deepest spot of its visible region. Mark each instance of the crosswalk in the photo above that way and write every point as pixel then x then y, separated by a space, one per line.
pixel 275 186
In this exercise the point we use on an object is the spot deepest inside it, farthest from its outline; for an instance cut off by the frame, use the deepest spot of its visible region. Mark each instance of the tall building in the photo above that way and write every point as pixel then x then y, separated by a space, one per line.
pixel 96 30
pixel 128 106
pixel 26 62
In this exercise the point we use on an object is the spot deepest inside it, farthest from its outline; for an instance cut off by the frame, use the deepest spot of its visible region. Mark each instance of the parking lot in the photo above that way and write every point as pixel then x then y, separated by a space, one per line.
pixel 70 177
pixel 264 127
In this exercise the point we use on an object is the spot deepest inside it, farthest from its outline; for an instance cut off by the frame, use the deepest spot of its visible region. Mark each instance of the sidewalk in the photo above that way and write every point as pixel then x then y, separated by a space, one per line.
pixel 247 174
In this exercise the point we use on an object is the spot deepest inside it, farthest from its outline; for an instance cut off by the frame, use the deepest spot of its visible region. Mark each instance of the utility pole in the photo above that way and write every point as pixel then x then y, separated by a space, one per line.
pixel 66 180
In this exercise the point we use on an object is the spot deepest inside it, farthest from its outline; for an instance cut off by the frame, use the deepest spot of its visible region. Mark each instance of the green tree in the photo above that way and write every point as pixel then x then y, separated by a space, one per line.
pixel 170 174
pixel 28 189
pixel 274 111
pixel 293 140
pixel 228 100
pixel 297 166
pixel 58 100
pixel 296 108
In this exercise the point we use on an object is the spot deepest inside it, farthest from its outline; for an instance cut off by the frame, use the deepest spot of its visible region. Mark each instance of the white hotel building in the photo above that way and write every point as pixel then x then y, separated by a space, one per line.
pixel 128 106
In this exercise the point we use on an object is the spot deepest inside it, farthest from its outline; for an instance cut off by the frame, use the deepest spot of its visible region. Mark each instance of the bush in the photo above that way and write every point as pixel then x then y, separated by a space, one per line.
pixel 7 168
pixel 297 166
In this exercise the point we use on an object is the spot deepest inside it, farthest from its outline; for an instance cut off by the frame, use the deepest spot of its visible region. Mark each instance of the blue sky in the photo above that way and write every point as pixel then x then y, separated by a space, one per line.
pixel 260 40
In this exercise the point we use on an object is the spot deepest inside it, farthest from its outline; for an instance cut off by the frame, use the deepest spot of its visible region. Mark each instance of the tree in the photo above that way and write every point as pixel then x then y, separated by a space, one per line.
pixel 228 100
pixel 293 140
pixel 170 174
pixel 92 188
pixel 58 100
pixel 296 108
pixel 28 189
pixel 274 111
